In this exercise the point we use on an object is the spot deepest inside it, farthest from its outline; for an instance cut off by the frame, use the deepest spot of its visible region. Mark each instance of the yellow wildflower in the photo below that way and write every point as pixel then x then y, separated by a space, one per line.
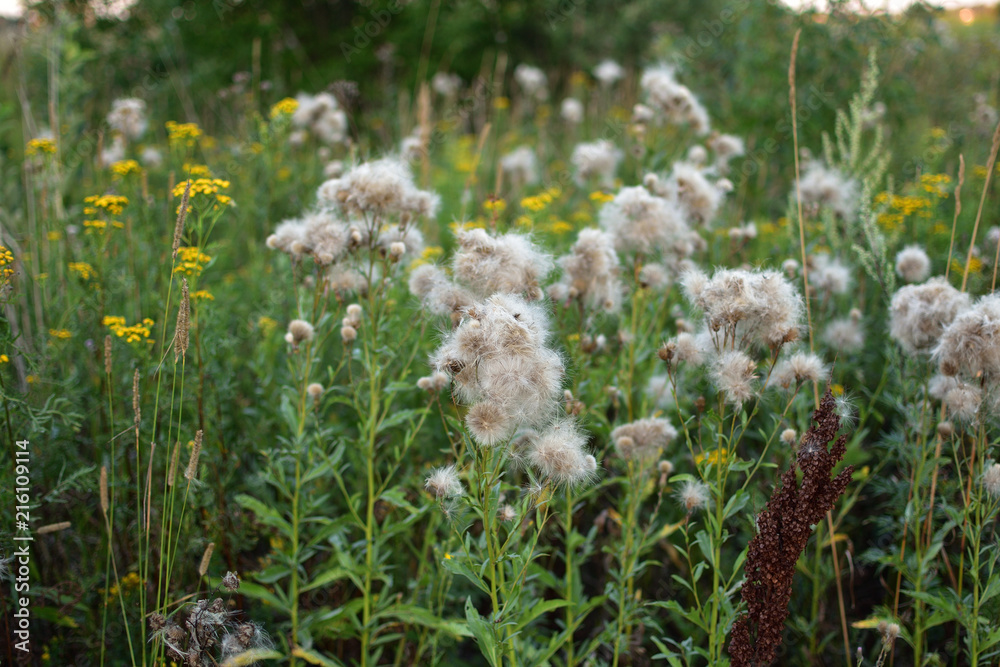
pixel 432 252
pixel 285 107
pixel 83 269
pixel 601 197
pixel 501 103
pixel 202 295
pixel 536 203
pixel 197 171
pixel 40 146
pixel 497 205
pixel 123 168
pixel 4 359
pixel 112 204
pixel 715 456
pixel 61 334
pixel 54 235
pixel 266 324
pixel 185 133
pixel 191 261
pixel 935 184
pixel 132 334
pixel 975 265
pixel 6 259
pixel 523 221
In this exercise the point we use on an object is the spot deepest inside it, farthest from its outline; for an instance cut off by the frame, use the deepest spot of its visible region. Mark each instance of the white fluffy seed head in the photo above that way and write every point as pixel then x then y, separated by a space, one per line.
pixel 489 424
pixel 509 264
pixel 693 496
pixel 969 345
pixel 912 264
pixel 733 374
pixel 644 438
pixel 919 314
pixel 991 480
pixel 595 160
pixel 300 331
pixel 844 335
pixel 789 436
pixel 558 454
pixel 444 482
pixel 798 368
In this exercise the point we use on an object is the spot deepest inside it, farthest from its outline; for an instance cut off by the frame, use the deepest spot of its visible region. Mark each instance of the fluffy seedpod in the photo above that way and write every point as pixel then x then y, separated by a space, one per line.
pixel 315 391
pixel 488 423
pixel 644 438
pixel 444 482
pixel 559 455
pixel 800 367
pixel 733 374
pixel 991 480
pixel 912 264
pixel 299 331
pixel 693 496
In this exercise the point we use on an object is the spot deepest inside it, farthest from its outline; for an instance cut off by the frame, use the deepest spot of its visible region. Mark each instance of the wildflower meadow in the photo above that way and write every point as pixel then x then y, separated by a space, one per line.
pixel 520 334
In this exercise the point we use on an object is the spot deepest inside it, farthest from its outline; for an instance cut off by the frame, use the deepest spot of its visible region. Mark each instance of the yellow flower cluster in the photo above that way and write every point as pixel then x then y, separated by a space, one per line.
pixel 6 259
pixel 185 133
pixel 714 457
pixel 4 359
pixel 196 170
pixel 497 205
pixel 132 334
pixel 202 295
pixel 192 261
pixel 40 146
pixel 130 580
pixel 285 107
pixel 205 186
pixel 123 168
pixel 903 207
pixel 556 226
pixel 82 269
pixel 538 202
pixel 601 197
pixel 935 183
pixel 101 225
pixel 266 324
pixel 61 334
pixel 112 204
pixel 975 265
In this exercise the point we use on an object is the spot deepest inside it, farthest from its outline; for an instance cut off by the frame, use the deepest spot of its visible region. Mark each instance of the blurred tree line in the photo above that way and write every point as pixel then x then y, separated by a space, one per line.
pixel 191 60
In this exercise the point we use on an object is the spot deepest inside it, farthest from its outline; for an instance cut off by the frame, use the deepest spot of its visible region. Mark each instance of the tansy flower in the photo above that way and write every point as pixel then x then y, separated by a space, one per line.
pixel 191 261
pixel 285 107
pixel 123 168
pixel 132 334
pixel 82 269
pixel 111 204
pixel 182 133
pixel 40 147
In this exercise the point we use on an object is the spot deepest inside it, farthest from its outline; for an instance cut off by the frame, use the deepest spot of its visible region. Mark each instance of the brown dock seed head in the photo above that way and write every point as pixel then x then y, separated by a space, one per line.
pixel 783 529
